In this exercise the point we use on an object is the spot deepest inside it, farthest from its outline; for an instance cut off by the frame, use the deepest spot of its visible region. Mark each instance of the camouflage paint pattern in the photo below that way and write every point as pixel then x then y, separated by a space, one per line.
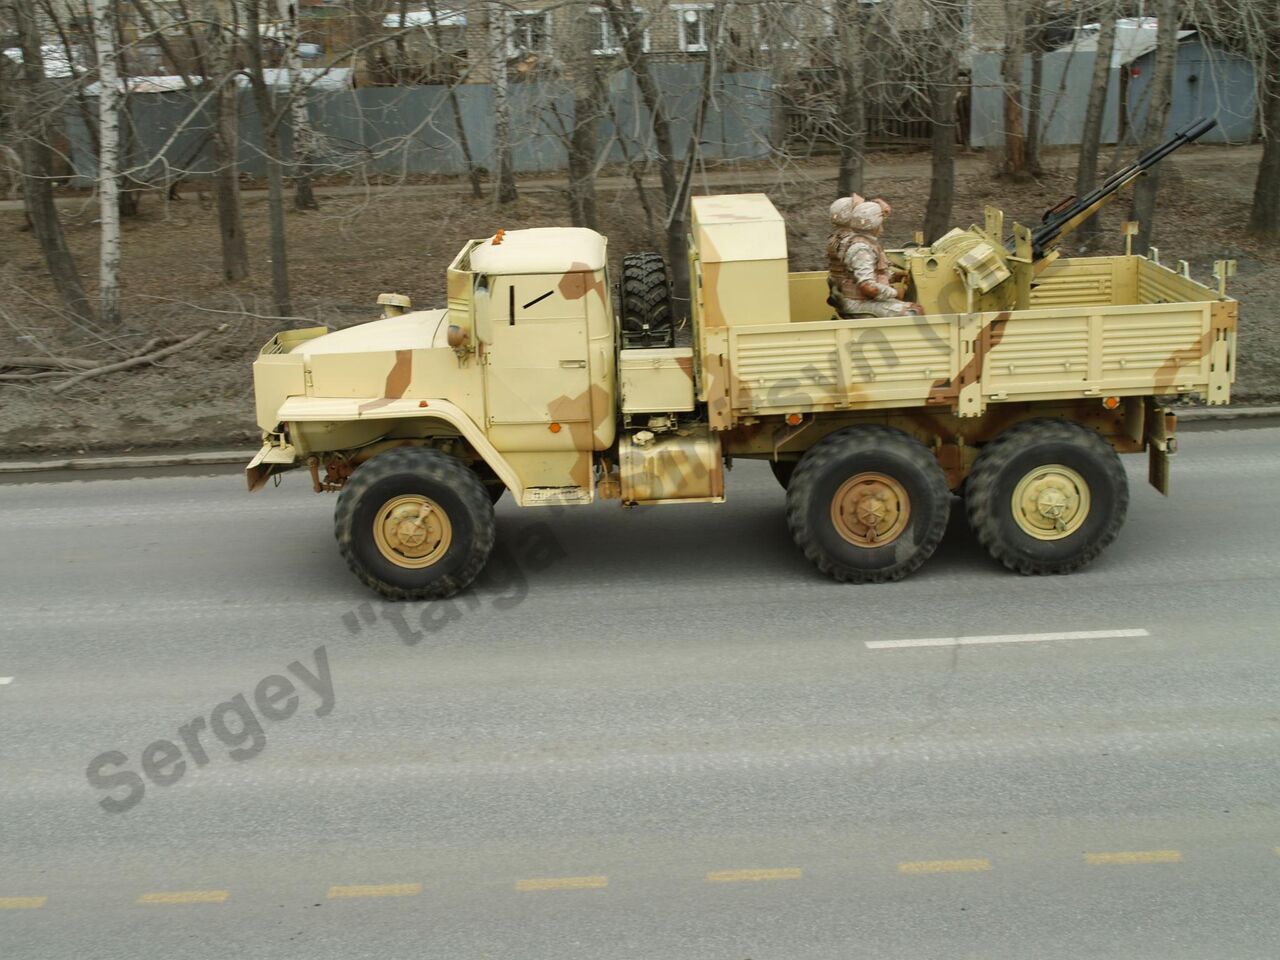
pixel 530 385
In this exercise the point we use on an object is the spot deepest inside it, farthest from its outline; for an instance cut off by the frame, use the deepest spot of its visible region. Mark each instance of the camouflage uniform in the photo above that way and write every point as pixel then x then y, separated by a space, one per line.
pixel 859 270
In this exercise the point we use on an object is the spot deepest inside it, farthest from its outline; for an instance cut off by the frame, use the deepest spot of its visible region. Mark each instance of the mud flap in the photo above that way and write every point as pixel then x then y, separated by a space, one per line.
pixel 1161 424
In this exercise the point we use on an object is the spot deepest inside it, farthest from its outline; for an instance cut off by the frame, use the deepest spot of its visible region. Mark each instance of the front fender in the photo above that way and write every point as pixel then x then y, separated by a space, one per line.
pixel 331 409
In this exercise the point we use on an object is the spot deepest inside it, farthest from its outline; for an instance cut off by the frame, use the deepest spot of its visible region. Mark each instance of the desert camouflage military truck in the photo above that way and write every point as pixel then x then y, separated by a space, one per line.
pixel 1027 375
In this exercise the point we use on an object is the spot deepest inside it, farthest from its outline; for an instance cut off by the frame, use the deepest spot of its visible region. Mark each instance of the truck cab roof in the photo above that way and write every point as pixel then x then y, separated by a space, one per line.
pixel 540 250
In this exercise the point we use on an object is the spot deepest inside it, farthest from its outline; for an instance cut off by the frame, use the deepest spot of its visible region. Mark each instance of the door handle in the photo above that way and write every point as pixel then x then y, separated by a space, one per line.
pixel 573 364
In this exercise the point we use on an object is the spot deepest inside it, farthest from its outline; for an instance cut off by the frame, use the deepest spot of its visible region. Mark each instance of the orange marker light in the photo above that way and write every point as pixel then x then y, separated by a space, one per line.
pixel 497 237
pixel 794 418
pixel 554 428
pixel 422 403
pixel 1111 402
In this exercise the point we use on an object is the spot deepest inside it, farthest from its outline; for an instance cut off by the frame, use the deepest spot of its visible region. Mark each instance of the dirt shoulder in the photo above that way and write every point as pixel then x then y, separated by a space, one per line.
pixel 368 240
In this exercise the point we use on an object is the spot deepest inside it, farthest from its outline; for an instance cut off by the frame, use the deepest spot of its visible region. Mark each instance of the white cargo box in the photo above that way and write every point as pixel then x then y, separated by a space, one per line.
pixel 657 380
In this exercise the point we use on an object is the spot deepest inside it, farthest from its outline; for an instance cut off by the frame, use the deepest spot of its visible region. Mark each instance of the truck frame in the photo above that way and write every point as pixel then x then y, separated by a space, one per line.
pixel 1024 379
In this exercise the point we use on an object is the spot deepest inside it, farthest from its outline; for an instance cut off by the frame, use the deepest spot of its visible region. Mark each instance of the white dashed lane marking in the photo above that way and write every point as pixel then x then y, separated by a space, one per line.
pixel 1006 638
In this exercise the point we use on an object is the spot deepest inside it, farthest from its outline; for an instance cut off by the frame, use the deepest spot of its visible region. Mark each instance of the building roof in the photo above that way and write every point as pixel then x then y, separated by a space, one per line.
pixel 541 250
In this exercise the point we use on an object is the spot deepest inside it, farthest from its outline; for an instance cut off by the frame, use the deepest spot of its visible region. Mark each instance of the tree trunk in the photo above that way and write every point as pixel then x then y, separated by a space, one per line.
pixel 270 122
pixel 226 124
pixel 304 197
pixel 851 120
pixel 1015 140
pixel 1095 111
pixel 1035 96
pixel 109 98
pixel 945 80
pixel 33 108
pixel 1159 98
pixel 505 186
pixel 1264 217
pixel 583 142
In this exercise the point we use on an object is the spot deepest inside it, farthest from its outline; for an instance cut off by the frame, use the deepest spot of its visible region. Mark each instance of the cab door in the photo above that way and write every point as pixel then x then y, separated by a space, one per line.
pixel 537 369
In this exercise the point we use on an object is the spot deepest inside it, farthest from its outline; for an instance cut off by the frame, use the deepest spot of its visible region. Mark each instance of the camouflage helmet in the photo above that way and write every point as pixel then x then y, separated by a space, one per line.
pixel 842 210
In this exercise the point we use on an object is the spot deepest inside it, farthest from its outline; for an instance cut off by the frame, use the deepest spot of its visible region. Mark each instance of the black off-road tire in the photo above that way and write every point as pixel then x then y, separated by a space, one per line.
pixel 783 471
pixel 492 485
pixel 1011 457
pixel 448 483
pixel 647 314
pixel 823 472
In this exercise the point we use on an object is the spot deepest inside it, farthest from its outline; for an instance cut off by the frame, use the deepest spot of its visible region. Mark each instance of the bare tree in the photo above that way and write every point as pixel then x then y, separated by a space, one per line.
pixel 851 119
pixel 34 108
pixel 944 81
pixel 1159 99
pixel 304 197
pixel 109 96
pixel 1035 95
pixel 1015 141
pixel 1264 216
pixel 1095 111
pixel 628 25
pixel 583 144
pixel 460 128
pixel 505 180
pixel 269 120
pixel 215 64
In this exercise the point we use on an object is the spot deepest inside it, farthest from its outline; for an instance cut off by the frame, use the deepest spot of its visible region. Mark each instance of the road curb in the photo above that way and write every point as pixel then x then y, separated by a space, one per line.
pixel 216 457
pixel 138 461
pixel 1210 414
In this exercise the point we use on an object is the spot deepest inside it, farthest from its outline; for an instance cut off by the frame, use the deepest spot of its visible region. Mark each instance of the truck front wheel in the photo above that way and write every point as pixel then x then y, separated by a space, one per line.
pixel 415 524
pixel 1047 496
pixel 868 504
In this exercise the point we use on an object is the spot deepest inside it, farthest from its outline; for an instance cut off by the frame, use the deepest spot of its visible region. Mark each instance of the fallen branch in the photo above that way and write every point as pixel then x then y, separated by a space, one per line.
pixel 49 363
pixel 42 375
pixel 138 361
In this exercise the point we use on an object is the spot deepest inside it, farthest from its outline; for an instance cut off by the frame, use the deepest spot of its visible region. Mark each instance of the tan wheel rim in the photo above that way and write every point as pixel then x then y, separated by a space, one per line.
pixel 870 509
pixel 1051 502
pixel 412 531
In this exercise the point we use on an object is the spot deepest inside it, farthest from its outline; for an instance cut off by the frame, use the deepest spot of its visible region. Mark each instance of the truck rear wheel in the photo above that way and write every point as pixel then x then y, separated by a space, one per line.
pixel 415 524
pixel 868 504
pixel 646 302
pixel 1047 496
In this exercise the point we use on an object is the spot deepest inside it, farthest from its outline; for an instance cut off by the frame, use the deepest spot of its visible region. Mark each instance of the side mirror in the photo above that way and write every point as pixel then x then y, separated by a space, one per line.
pixel 482 310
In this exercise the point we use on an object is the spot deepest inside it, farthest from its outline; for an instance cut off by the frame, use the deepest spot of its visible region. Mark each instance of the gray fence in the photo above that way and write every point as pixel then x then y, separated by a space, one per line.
pixel 1207 82
pixel 412 130
pixel 1064 95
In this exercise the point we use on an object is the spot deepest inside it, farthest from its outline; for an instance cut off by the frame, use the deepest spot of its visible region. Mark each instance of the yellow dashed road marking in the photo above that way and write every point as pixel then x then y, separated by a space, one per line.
pixel 376 890
pixel 975 865
pixel 561 883
pixel 22 903
pixel 1134 856
pixel 746 876
pixel 186 896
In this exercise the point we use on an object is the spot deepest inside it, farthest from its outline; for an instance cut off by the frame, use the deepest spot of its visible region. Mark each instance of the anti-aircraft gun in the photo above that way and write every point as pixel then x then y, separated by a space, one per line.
pixel 984 269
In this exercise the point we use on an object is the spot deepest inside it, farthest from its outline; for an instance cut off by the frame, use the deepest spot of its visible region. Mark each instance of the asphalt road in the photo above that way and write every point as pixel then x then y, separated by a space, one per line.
pixel 652 734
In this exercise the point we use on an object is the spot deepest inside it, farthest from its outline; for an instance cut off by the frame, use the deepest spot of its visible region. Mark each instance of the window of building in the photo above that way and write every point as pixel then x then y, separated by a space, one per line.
pixel 607 39
pixel 529 32
pixel 693 26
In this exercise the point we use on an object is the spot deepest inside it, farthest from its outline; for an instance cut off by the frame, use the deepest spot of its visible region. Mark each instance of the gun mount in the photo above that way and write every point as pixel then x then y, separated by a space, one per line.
pixel 983 269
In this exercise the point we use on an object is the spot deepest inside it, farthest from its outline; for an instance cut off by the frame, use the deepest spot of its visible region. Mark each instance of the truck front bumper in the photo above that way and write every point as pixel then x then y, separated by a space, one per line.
pixel 271 459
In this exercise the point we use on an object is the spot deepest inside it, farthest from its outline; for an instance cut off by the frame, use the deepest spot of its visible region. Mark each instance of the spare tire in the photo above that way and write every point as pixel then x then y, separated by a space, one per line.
pixel 646 313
